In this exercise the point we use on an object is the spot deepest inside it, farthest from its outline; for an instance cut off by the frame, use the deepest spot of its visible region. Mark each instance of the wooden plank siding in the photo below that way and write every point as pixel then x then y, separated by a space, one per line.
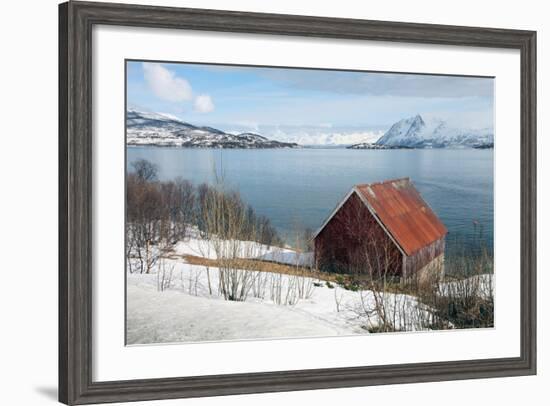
pixel 354 242
pixel 423 257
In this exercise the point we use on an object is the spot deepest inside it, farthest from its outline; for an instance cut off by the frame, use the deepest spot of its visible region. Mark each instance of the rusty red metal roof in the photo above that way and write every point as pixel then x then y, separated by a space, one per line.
pixel 403 212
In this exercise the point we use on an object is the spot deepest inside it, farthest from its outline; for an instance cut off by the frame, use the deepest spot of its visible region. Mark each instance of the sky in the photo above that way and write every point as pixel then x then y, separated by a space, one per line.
pixel 293 103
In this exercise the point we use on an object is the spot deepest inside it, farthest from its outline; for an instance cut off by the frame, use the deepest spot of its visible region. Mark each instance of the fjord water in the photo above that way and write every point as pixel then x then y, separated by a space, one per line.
pixel 299 188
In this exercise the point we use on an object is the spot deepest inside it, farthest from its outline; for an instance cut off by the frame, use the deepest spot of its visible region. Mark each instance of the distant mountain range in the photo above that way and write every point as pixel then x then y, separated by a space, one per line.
pixel 144 128
pixel 415 132
pixel 163 130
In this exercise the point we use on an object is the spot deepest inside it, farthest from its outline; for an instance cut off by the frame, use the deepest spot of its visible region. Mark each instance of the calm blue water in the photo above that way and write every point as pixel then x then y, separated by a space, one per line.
pixel 300 187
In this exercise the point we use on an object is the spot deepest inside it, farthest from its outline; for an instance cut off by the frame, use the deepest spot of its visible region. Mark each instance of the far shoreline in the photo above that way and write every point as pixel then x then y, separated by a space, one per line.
pixel 310 147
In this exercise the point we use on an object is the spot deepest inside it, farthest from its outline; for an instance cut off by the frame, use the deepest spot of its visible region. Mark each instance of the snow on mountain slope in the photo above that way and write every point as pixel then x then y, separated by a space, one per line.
pixel 332 137
pixel 416 132
pixel 164 130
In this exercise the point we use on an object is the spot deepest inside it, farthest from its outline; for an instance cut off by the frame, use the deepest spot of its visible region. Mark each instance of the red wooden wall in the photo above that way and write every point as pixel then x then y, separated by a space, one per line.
pixel 353 242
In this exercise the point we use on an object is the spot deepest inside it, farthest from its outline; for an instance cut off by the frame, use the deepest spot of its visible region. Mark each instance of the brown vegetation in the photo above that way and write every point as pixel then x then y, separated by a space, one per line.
pixel 160 213
pixel 262 266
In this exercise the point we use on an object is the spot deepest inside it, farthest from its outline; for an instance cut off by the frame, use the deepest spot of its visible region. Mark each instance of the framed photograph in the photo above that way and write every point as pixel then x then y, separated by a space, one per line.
pixel 259 202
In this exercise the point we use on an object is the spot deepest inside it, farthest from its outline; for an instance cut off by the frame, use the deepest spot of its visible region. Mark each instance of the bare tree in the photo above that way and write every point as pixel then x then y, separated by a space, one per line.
pixel 178 204
pixel 158 215
pixel 143 222
pixel 164 275
pixel 145 171
pixel 229 233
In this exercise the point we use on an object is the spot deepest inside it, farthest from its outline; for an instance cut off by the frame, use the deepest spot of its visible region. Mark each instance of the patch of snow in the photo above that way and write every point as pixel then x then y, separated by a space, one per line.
pixel 199 247
pixel 170 317
pixel 482 285
pixel 209 248
pixel 288 257
pixel 191 307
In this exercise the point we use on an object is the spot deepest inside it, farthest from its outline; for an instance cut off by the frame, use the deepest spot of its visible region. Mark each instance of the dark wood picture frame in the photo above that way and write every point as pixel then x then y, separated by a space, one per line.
pixel 76 20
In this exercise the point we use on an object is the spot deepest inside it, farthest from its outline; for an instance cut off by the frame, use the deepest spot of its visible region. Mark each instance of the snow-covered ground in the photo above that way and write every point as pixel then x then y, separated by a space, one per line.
pixel 182 302
pixel 288 257
pixel 196 246
pixel 177 316
pixel 186 310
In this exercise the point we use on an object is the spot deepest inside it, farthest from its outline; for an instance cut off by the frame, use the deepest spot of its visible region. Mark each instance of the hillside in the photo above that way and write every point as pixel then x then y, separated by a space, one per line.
pixel 163 130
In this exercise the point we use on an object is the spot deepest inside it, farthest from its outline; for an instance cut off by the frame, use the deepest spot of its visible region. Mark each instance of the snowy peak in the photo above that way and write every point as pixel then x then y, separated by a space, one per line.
pixel 416 126
pixel 406 130
pixel 164 130
pixel 416 132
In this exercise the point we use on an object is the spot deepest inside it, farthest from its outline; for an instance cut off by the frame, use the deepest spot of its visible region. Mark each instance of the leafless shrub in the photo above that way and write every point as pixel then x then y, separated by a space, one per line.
pixel 259 285
pixel 284 289
pixel 193 281
pixel 463 303
pixel 157 215
pixel 227 228
pixel 164 275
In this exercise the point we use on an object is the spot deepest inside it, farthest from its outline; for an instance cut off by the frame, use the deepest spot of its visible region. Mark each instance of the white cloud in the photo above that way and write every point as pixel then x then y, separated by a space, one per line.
pixel 204 104
pixel 165 84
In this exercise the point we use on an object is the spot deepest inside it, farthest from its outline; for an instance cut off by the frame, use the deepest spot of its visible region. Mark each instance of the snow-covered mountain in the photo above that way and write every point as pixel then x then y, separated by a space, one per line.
pixel 164 130
pixel 320 135
pixel 415 132
pixel 332 137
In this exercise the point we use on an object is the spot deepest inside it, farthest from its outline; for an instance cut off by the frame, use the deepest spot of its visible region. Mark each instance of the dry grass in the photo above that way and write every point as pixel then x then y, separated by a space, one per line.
pixel 257 265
